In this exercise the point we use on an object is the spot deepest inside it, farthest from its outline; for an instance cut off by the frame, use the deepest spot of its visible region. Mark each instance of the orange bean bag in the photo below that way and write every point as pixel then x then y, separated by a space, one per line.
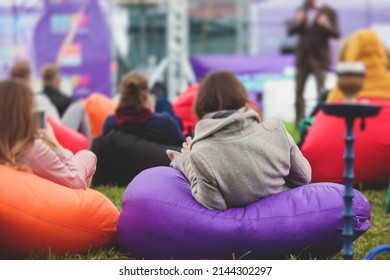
pixel 69 138
pixel 324 148
pixel 98 107
pixel 38 217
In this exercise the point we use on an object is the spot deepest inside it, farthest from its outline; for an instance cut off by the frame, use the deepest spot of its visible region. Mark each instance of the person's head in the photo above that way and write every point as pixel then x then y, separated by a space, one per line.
pixel 220 91
pixel 18 124
pixel 21 70
pixel 134 92
pixel 311 2
pixel 51 75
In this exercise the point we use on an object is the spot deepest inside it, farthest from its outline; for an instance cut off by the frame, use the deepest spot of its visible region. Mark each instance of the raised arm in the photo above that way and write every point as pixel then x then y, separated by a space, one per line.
pixel 57 165
pixel 329 22
pixel 296 25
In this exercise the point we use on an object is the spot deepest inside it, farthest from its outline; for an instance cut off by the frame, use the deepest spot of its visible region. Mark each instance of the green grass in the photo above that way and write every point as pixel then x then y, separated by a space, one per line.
pixel 378 234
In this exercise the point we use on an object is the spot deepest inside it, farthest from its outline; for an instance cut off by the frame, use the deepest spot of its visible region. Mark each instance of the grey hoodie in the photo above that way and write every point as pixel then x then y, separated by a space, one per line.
pixel 237 160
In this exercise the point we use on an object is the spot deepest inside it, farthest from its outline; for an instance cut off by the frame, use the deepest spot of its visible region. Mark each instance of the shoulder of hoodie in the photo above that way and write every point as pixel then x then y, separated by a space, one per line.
pixel 272 124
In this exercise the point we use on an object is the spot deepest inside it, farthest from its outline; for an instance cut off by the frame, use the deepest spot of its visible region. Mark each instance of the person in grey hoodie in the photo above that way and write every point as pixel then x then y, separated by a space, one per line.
pixel 236 159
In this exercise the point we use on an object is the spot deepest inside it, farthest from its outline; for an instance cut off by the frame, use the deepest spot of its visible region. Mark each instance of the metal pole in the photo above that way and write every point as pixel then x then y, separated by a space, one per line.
pixel 348 194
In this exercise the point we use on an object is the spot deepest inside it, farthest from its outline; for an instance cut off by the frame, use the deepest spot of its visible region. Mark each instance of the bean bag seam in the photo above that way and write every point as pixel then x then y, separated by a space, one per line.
pixel 54 223
pixel 228 218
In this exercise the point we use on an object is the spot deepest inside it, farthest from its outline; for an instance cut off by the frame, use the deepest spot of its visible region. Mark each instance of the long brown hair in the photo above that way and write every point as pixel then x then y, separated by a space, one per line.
pixel 220 91
pixel 134 92
pixel 18 124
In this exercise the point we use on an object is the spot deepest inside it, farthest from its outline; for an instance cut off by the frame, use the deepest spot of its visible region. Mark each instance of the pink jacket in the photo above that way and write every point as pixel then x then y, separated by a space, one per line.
pixel 59 165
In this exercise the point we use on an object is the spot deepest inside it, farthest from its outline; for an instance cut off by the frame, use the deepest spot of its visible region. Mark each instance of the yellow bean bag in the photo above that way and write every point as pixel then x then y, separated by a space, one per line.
pixel 38 217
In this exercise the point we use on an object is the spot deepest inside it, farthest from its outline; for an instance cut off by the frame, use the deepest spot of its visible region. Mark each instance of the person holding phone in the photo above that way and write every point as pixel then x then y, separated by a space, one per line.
pixel 315 23
pixel 26 147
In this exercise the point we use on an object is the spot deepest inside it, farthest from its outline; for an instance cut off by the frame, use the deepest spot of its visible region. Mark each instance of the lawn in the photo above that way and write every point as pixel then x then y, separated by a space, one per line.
pixel 378 234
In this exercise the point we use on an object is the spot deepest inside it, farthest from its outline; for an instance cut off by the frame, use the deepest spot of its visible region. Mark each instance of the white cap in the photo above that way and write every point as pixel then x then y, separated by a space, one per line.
pixel 353 67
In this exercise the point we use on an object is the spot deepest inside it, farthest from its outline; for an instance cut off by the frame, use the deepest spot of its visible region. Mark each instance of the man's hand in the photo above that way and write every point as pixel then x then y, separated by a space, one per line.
pixel 299 16
pixel 186 145
pixel 323 21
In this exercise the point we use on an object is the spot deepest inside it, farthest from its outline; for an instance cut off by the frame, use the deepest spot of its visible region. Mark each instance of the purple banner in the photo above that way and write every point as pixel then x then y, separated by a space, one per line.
pixel 75 35
pixel 240 64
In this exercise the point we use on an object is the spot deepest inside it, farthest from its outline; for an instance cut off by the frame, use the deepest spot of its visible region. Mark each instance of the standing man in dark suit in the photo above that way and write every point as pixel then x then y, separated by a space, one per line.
pixel 315 23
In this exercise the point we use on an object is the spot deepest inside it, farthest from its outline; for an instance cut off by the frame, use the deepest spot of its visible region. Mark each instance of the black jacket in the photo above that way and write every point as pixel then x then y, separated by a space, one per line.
pixel 59 100
pixel 121 156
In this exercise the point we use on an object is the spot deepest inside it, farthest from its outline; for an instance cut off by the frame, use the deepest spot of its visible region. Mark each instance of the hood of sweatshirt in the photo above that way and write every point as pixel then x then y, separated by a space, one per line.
pixel 227 124
pixel 365 46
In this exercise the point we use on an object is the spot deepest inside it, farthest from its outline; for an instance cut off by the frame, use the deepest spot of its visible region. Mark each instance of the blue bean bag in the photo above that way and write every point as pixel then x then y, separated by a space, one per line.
pixel 161 220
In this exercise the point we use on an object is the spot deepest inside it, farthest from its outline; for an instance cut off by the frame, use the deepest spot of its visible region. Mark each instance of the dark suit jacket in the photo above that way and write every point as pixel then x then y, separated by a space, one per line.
pixel 313 46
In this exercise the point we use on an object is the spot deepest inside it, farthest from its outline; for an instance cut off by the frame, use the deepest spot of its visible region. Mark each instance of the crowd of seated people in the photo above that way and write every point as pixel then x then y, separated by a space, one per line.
pixel 233 159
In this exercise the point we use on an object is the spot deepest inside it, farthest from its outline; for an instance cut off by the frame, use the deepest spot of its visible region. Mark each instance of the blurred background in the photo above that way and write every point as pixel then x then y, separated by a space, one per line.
pixel 175 42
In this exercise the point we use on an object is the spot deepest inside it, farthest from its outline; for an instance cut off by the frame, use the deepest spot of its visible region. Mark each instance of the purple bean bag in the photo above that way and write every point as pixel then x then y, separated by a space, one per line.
pixel 161 220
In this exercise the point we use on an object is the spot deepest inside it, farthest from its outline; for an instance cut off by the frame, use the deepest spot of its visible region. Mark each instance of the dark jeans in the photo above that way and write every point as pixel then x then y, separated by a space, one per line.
pixel 302 74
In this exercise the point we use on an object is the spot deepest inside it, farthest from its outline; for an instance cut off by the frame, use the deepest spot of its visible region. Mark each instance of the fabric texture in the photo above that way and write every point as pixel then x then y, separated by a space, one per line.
pixel 60 165
pixel 160 128
pixel 122 156
pixel 75 118
pixel 163 105
pixel 69 138
pixel 365 46
pixel 44 103
pixel 40 218
pixel 60 100
pixel 183 107
pixel 324 147
pixel 98 107
pixel 161 220
pixel 129 121
pixel 237 160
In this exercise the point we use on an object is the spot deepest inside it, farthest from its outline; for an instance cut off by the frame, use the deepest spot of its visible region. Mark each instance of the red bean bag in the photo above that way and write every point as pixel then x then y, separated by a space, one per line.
pixel 183 108
pixel 38 217
pixel 68 138
pixel 98 107
pixel 324 148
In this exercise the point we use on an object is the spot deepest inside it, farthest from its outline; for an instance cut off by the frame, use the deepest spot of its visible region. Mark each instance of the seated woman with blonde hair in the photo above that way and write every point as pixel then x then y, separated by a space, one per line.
pixel 24 146
pixel 136 114
pixel 236 159
pixel 365 46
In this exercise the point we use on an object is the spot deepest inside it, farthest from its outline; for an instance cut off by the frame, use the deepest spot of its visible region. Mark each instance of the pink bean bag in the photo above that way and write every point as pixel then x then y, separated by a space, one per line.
pixel 68 138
